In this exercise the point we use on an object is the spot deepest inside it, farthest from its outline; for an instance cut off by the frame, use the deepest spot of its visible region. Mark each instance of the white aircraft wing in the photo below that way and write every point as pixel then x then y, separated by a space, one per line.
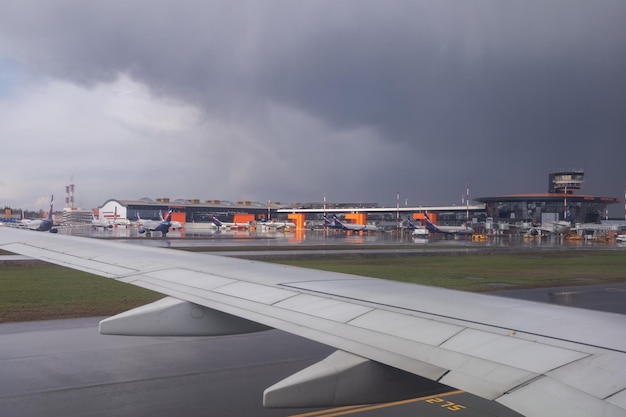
pixel 537 359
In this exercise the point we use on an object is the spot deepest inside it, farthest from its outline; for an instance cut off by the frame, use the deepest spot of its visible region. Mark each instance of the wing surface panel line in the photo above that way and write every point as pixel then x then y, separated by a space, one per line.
pixel 463 320
pixel 346 338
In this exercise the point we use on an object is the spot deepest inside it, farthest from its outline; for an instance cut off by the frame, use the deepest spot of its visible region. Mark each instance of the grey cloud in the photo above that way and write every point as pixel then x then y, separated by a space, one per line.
pixel 477 92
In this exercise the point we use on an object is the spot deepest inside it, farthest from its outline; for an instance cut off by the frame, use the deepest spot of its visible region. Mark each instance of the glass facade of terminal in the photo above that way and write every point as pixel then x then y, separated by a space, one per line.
pixel 540 209
pixel 195 213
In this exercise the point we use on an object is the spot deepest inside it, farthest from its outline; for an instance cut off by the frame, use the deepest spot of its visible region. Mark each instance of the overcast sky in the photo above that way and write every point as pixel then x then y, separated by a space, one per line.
pixel 293 100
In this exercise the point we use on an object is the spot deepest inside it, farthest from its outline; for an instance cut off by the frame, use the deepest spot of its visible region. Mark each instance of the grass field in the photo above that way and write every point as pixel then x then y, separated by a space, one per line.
pixel 486 271
pixel 39 291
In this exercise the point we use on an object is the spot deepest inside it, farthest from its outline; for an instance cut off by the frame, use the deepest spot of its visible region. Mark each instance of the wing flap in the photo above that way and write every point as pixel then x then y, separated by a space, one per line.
pixel 548 397
pixel 510 351
pixel 329 309
pixel 413 328
pixel 618 399
pixel 603 375
pixel 486 379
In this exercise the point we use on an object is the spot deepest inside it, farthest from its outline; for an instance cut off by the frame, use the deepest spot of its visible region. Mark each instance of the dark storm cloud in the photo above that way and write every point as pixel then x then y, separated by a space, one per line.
pixel 497 94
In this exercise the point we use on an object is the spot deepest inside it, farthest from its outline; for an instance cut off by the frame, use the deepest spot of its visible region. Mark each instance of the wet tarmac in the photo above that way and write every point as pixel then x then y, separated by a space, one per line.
pixel 66 368
pixel 320 238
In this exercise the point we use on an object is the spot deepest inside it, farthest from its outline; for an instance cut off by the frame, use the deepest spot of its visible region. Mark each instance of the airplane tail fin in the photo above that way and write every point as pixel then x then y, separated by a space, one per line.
pixel 429 225
pixel 168 219
pixel 568 213
pixel 49 217
pixel 336 220
pixel 216 221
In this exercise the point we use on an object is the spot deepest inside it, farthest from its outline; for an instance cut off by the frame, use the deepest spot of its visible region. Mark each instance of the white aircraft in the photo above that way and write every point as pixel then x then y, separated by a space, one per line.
pixel 391 337
pixel 416 231
pixel 338 224
pixel 176 225
pixel 273 224
pixel 162 226
pixel 41 225
pixel 554 228
pixel 217 222
pixel 103 224
pixel 147 224
pixel 456 230
pixel 107 222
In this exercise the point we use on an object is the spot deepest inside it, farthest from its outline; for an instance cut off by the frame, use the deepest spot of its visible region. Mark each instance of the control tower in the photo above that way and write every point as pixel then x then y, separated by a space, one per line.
pixel 565 182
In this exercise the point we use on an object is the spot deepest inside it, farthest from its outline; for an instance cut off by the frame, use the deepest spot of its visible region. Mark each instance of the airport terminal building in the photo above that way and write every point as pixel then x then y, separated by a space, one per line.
pixel 561 202
pixel 304 215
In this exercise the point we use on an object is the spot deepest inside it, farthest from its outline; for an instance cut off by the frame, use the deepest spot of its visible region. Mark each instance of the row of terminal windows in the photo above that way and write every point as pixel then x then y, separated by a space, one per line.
pixel 534 211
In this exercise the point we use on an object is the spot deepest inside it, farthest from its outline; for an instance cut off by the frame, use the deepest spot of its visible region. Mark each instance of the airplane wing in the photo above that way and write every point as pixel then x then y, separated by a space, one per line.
pixel 534 358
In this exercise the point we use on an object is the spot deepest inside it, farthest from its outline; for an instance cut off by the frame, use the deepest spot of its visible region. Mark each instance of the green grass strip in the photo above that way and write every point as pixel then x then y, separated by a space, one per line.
pixel 34 290
pixel 484 272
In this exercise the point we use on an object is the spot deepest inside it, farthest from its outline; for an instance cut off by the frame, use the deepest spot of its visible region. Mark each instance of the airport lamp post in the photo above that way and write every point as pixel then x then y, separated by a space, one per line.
pixel 398 214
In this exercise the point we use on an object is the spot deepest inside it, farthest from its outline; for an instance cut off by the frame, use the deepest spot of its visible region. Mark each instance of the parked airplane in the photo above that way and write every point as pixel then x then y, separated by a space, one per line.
pixel 41 225
pixel 151 224
pixel 415 230
pixel 456 230
pixel 273 224
pixel 228 225
pixel 338 224
pixel 554 228
pixel 104 222
pixel 162 226
pixel 176 225
pixel 109 221
pixel 392 338
pixel 328 224
pixel 145 223
pixel 97 223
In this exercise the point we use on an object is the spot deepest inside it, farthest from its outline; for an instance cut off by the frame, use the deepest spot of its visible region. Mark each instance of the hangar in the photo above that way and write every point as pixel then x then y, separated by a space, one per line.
pixel 186 211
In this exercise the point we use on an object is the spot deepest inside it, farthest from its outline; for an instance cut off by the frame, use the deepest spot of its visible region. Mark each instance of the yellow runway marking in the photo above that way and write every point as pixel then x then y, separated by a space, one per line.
pixel 341 411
